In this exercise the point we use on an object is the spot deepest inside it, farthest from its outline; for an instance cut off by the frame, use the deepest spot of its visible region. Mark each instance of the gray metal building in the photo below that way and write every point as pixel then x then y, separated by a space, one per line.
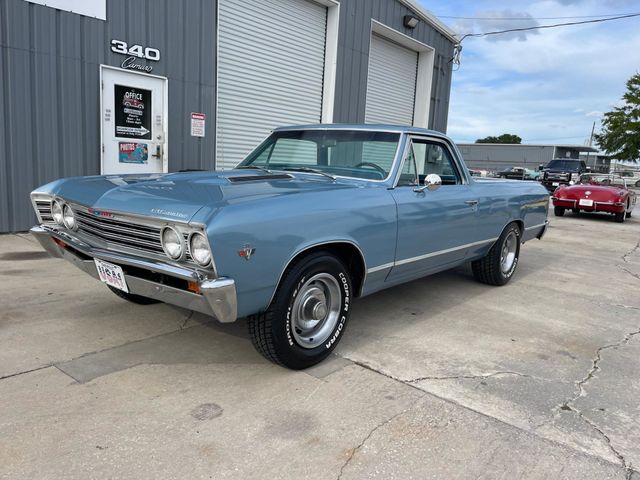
pixel 498 156
pixel 117 86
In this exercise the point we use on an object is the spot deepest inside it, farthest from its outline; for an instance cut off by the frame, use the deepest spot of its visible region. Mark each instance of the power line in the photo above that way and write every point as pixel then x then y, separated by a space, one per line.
pixel 606 15
pixel 458 48
pixel 553 25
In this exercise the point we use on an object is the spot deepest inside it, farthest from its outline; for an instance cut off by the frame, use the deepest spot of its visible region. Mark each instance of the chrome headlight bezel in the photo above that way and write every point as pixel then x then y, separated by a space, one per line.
pixel 58 217
pixel 199 235
pixel 176 255
pixel 69 217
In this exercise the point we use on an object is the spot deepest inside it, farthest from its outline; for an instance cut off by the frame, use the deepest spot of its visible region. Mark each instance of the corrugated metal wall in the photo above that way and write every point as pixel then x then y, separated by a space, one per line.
pixel 497 157
pixel 50 92
pixel 50 95
pixel 353 58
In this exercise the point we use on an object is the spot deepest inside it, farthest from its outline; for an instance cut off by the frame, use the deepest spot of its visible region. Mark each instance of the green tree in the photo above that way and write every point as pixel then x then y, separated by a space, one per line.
pixel 620 133
pixel 504 138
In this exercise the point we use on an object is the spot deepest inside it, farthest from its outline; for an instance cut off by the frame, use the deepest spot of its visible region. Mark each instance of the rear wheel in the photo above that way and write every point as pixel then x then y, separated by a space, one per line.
pixel 499 265
pixel 307 315
pixel 130 297
pixel 575 210
pixel 558 211
pixel 620 216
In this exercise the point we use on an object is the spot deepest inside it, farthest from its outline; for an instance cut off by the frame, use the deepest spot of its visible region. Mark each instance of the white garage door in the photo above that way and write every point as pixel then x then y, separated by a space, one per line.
pixel 270 70
pixel 391 87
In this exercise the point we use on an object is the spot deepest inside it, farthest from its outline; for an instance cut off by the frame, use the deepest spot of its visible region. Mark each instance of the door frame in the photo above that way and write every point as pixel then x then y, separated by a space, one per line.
pixel 165 113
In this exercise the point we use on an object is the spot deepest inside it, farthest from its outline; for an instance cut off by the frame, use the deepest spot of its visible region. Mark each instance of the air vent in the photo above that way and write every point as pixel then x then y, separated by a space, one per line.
pixel 259 178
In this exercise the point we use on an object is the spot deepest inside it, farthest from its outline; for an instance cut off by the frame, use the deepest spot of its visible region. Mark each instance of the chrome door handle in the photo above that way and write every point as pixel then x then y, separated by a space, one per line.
pixel 471 202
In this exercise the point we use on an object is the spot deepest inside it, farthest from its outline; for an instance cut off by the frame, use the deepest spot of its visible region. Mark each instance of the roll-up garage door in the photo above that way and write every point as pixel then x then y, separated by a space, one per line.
pixel 270 70
pixel 391 86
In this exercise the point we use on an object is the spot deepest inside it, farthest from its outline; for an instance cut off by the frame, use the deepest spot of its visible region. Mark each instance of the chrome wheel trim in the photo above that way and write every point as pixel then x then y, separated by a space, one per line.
pixel 508 253
pixel 316 310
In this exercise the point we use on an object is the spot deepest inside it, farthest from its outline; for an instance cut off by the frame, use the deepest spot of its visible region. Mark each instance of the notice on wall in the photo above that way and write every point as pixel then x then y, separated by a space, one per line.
pixel 133 112
pixel 133 152
pixel 197 124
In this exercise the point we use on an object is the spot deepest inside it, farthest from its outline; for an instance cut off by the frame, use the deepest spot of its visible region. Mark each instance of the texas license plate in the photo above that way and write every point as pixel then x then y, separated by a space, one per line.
pixel 585 202
pixel 111 274
pixel 555 184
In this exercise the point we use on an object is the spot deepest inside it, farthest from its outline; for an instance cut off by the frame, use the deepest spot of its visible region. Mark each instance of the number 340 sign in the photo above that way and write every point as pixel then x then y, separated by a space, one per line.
pixel 148 53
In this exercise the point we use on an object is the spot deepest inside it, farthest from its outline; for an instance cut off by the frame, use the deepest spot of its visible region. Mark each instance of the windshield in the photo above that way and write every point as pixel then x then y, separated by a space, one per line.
pixel 564 165
pixel 350 153
pixel 606 180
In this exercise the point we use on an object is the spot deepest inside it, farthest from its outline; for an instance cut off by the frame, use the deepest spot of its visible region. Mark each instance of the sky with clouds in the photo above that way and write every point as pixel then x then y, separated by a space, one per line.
pixel 547 86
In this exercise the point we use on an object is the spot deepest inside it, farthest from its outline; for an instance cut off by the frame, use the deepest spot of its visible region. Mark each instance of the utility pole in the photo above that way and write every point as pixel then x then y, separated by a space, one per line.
pixel 593 128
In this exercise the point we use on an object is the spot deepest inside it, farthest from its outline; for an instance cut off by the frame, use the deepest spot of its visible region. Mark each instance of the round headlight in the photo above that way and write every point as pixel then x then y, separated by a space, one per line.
pixel 172 243
pixel 199 249
pixel 68 217
pixel 56 212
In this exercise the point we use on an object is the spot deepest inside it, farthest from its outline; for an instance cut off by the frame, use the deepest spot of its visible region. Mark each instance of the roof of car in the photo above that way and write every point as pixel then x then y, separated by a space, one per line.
pixel 360 126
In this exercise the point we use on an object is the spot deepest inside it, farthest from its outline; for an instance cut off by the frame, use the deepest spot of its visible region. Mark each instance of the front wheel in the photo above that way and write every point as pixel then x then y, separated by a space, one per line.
pixel 499 265
pixel 620 216
pixel 307 315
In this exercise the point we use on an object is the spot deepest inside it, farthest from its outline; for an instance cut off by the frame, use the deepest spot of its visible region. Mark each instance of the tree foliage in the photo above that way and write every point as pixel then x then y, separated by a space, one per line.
pixel 620 133
pixel 504 138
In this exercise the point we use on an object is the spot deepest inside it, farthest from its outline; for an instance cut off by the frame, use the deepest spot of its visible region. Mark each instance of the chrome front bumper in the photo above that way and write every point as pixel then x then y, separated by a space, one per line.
pixel 217 297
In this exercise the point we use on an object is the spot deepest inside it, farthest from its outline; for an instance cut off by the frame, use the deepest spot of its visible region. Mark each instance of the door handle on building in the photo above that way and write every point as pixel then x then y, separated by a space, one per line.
pixel 158 153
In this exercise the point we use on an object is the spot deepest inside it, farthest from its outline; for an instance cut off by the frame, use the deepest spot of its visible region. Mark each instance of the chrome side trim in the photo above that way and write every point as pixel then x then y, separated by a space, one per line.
pixel 537 226
pixel 380 267
pixel 429 255
pixel 445 251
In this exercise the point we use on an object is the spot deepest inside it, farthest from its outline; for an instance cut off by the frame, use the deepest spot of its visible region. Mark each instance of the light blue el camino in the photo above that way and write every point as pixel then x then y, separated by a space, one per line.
pixel 313 218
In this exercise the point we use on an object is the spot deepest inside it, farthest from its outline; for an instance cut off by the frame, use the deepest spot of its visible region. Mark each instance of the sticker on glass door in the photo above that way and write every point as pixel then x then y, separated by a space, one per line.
pixel 134 122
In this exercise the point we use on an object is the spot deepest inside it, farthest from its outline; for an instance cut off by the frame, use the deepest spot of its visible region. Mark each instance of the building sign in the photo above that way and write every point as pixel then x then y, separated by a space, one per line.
pixel 133 152
pixel 133 112
pixel 135 52
pixel 197 124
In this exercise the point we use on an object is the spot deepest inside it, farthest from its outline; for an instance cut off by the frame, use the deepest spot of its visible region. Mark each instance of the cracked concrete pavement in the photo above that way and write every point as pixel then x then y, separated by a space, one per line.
pixel 438 378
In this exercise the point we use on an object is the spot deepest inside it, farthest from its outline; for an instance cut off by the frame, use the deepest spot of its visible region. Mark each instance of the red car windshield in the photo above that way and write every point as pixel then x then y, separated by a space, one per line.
pixel 604 180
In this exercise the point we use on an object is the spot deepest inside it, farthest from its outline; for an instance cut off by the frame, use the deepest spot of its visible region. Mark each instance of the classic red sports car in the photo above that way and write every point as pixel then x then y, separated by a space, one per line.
pixel 596 193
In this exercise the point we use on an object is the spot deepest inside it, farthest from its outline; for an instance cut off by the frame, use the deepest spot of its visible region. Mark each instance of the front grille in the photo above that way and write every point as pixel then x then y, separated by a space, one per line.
pixel 44 210
pixel 120 233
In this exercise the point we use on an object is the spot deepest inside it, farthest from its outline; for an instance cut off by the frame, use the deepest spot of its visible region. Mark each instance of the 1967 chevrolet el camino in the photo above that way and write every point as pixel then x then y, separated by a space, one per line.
pixel 314 217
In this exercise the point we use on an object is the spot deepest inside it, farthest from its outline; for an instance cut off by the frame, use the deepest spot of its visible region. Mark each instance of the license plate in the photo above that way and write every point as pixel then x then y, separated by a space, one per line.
pixel 585 202
pixel 111 275
pixel 555 184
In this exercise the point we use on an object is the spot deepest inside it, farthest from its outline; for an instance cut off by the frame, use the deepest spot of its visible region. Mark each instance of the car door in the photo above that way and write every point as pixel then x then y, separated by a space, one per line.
pixel 435 227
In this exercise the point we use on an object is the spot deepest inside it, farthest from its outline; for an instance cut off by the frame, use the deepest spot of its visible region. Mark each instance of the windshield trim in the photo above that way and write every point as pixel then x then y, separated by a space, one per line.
pixel 401 137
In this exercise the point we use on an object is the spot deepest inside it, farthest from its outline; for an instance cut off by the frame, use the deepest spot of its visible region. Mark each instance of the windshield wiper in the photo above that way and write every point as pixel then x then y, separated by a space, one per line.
pixel 309 170
pixel 254 167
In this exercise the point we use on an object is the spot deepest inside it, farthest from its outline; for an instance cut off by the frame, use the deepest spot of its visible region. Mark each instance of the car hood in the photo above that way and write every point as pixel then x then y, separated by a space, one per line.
pixel 595 191
pixel 179 196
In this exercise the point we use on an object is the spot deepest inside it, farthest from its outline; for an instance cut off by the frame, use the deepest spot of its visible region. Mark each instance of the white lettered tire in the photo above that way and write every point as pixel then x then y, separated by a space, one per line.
pixel 308 314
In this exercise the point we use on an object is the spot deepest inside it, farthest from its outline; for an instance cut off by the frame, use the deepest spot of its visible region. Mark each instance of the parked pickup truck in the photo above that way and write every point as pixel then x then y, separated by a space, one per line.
pixel 313 218
pixel 562 172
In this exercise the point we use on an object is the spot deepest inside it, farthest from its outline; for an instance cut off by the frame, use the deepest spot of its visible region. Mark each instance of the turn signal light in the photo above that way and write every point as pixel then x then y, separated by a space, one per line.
pixel 193 287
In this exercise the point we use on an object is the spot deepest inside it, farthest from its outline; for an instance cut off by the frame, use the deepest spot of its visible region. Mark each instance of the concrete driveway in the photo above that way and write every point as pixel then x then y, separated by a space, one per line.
pixel 440 378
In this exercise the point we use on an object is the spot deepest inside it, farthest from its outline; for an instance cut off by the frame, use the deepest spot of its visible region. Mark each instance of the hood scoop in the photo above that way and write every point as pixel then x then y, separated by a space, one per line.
pixel 259 178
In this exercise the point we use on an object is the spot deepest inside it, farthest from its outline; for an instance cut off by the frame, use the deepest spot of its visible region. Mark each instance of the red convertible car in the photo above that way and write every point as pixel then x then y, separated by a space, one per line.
pixel 596 193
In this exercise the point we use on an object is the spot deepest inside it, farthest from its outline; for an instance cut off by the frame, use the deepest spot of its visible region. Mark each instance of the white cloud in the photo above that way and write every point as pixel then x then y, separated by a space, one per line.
pixel 551 86
pixel 498 20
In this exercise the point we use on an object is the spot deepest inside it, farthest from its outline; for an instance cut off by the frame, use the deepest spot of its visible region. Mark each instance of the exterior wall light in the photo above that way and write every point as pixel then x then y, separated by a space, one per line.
pixel 410 21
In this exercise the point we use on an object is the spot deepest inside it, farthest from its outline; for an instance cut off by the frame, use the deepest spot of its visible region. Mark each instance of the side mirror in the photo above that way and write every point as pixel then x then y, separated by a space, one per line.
pixel 540 167
pixel 431 182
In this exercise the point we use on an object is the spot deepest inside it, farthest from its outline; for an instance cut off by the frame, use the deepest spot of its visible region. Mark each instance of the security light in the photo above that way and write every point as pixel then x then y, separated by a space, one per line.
pixel 410 21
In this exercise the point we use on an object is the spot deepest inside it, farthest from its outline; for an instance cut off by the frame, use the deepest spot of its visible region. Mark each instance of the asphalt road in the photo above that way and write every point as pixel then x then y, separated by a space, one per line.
pixel 441 378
